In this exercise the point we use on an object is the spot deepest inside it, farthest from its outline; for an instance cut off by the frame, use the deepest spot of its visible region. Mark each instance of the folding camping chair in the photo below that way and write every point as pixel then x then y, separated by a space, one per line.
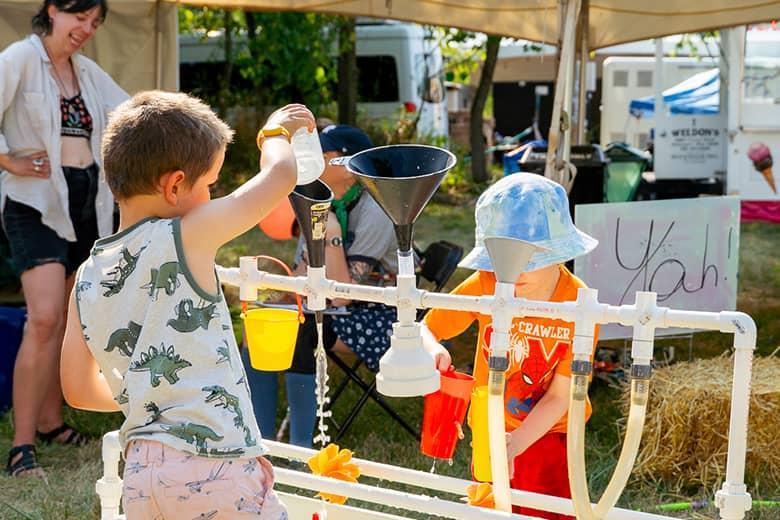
pixel 437 263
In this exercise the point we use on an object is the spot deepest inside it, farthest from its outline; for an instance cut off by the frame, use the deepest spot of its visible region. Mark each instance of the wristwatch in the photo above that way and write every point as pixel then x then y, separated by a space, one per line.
pixel 271 131
pixel 335 242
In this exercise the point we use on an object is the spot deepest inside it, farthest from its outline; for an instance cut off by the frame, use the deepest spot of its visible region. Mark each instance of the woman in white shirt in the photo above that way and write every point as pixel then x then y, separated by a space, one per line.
pixel 54 105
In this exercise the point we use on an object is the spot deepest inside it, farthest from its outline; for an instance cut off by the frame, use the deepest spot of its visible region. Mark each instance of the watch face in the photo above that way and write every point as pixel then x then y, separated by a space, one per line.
pixel 336 241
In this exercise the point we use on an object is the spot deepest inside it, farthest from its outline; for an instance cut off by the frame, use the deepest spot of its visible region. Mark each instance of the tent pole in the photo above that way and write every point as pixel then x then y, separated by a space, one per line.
pixel 582 92
pixel 564 150
pixel 158 46
pixel 560 117
pixel 659 112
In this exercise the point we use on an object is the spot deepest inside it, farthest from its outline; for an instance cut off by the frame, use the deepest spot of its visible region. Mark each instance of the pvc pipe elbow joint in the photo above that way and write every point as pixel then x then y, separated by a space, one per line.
pixel 743 327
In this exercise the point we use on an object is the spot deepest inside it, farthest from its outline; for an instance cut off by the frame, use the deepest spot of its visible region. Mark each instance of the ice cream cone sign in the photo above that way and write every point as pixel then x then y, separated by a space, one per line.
pixel 762 160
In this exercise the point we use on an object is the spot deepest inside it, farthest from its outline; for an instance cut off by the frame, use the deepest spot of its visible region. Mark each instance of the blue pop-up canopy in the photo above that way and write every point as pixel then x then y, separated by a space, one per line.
pixel 699 94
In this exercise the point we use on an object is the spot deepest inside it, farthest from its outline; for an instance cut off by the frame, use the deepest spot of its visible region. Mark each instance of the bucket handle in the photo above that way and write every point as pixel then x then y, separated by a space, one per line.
pixel 289 272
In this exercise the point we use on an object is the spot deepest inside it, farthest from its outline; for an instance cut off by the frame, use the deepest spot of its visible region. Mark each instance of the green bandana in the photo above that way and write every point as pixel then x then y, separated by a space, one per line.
pixel 340 206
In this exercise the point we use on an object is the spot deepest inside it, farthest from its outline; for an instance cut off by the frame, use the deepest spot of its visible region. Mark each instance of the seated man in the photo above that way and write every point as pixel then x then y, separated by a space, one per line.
pixel 360 248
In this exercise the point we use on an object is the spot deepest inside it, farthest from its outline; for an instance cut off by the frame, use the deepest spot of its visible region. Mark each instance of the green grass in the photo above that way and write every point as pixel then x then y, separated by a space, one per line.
pixel 69 493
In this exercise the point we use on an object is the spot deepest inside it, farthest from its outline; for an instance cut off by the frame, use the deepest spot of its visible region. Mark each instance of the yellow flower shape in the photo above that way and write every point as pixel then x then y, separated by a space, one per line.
pixel 481 495
pixel 334 463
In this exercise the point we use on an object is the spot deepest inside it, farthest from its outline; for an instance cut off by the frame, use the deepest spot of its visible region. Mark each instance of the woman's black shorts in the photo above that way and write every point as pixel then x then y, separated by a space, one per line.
pixel 33 243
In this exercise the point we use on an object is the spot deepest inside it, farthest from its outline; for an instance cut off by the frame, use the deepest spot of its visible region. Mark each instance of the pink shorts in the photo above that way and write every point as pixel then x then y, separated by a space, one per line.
pixel 164 483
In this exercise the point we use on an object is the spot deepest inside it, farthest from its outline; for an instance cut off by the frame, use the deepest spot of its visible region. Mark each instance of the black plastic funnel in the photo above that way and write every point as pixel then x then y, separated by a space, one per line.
pixel 402 179
pixel 311 203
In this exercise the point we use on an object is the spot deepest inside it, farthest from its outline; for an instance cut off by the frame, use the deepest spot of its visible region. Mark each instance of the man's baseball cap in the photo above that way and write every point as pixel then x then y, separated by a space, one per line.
pixel 528 207
pixel 345 139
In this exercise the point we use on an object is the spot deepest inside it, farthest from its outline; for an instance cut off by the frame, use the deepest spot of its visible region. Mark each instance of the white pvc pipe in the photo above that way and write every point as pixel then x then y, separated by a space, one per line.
pixel 390 497
pixel 405 263
pixel 109 486
pixel 724 321
pixel 452 485
pixel 733 499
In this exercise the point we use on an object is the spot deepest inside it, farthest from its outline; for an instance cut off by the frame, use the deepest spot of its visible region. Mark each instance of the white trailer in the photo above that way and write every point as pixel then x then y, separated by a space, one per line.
pixel 732 147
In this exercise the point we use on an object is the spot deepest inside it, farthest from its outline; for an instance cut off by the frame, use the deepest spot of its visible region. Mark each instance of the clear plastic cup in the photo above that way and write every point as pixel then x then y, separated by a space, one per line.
pixel 308 155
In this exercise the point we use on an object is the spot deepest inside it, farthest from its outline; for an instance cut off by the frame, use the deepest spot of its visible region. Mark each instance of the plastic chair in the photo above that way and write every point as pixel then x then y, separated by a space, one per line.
pixel 437 264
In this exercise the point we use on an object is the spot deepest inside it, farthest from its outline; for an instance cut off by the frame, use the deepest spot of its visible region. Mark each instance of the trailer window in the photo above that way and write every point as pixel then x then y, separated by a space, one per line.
pixel 377 79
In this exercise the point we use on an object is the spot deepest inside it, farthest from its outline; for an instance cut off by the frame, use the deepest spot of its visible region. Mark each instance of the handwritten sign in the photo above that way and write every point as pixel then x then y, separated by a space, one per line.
pixel 685 250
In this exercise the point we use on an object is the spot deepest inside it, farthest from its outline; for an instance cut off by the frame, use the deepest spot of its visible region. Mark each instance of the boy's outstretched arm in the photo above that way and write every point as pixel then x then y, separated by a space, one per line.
pixel 550 408
pixel 440 354
pixel 83 384
pixel 207 227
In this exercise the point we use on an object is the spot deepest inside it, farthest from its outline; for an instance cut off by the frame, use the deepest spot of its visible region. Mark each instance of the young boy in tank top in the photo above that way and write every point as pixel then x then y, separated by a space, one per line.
pixel 149 332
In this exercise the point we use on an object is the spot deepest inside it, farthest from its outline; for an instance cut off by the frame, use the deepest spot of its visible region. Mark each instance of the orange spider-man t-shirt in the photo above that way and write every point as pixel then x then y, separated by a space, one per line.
pixel 539 348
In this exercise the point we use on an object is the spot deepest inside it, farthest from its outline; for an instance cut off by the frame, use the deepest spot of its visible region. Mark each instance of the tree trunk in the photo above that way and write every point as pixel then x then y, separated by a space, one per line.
pixel 228 70
pixel 346 93
pixel 478 171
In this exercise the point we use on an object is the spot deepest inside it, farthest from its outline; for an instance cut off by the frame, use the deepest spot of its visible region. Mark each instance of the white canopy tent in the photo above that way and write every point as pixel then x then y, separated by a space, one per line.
pixel 610 21
pixel 138 46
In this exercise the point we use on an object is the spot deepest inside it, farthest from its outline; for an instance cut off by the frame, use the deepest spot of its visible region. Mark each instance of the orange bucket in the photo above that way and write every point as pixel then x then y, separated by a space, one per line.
pixel 271 333
pixel 443 414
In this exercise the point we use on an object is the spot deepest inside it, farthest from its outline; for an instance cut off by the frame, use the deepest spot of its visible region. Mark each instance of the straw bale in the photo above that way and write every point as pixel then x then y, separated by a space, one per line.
pixel 686 431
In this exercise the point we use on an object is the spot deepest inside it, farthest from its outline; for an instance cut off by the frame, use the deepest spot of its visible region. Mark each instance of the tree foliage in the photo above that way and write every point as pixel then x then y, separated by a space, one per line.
pixel 280 57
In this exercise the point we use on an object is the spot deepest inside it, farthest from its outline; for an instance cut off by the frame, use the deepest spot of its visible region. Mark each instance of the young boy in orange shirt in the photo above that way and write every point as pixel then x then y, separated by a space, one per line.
pixel 535 209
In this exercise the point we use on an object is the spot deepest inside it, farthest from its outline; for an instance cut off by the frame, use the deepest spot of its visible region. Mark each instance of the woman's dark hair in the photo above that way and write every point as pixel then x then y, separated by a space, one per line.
pixel 41 23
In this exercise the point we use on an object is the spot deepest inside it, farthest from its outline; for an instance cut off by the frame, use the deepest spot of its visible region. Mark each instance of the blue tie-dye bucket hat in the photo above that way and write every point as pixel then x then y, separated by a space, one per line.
pixel 528 207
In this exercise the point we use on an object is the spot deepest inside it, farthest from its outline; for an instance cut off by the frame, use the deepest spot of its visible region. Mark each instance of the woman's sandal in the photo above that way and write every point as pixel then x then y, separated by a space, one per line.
pixel 25 463
pixel 73 438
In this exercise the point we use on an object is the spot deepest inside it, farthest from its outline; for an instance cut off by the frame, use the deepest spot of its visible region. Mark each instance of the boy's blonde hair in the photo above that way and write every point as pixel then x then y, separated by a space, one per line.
pixel 157 132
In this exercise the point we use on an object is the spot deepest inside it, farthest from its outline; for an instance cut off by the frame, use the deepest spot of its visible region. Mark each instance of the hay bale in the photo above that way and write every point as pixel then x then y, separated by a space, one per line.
pixel 686 432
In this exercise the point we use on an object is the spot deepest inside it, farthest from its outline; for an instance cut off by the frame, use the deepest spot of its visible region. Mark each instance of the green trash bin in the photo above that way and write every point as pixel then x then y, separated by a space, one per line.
pixel 623 172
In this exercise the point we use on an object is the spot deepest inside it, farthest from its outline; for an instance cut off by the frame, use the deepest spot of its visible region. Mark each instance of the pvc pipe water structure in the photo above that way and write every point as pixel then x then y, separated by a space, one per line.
pixel 402 180
pixel 586 312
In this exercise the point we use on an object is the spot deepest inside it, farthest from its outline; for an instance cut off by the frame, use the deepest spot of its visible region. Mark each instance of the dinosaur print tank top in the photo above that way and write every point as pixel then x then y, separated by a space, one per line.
pixel 165 346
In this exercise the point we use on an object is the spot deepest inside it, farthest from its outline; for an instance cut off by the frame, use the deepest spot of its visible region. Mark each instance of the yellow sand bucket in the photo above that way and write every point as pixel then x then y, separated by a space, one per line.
pixel 480 445
pixel 271 333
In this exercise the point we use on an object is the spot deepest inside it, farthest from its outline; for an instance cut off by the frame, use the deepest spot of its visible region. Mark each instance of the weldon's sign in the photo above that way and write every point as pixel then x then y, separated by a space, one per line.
pixel 690 147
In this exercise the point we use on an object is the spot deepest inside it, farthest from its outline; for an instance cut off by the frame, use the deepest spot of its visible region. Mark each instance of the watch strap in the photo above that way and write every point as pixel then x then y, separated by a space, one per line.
pixel 271 131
